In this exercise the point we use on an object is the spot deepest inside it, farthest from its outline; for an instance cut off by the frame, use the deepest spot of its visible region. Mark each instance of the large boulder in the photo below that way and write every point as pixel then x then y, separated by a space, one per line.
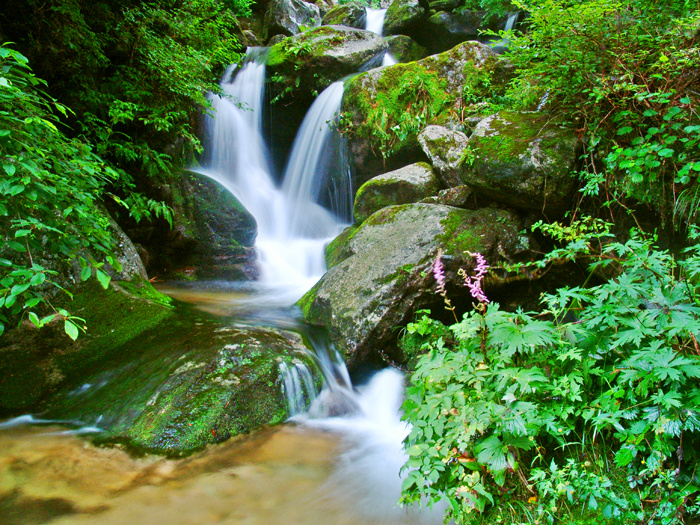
pixel 404 17
pixel 385 108
pixel 352 14
pixel 445 149
pixel 525 160
pixel 299 68
pixel 289 17
pixel 382 271
pixel 446 29
pixel 404 49
pixel 216 233
pixel 189 383
pixel 412 183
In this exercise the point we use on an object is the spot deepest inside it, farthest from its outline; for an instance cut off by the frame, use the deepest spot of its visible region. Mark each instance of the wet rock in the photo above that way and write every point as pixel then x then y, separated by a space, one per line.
pixel 216 232
pixel 404 49
pixel 352 14
pixel 445 149
pixel 524 160
pixel 288 17
pixel 383 270
pixel 409 184
pixel 184 385
pixel 404 17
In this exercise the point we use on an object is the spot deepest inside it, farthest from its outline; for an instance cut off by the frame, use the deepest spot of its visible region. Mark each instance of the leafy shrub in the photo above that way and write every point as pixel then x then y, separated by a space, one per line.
pixel 623 73
pixel 535 408
pixel 49 194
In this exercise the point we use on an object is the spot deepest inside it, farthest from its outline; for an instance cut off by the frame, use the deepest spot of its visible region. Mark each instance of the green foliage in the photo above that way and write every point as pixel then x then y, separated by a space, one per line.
pixel 49 194
pixel 135 74
pixel 623 72
pixel 588 409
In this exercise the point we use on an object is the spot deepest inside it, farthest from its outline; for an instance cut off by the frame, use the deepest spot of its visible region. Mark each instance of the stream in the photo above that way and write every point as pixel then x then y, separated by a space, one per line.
pixel 322 466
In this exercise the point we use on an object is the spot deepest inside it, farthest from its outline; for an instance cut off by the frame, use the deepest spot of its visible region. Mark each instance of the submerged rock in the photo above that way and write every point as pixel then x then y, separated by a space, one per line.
pixel 183 385
pixel 524 160
pixel 382 270
pixel 289 17
pixel 409 184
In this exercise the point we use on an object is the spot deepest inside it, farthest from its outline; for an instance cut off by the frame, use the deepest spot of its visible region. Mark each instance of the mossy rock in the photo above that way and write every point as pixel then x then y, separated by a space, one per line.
pixel 352 14
pixel 289 17
pixel 404 49
pixel 217 233
pixel 446 29
pixel 384 109
pixel 35 363
pixel 385 275
pixel 404 17
pixel 525 160
pixel 184 384
pixel 304 65
pixel 445 149
pixel 412 183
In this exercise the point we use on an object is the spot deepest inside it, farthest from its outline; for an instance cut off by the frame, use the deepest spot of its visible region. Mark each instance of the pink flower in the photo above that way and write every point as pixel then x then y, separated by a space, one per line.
pixel 439 274
pixel 474 283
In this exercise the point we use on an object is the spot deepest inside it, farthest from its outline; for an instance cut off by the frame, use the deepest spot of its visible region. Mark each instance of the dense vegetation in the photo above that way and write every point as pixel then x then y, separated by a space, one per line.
pixel 134 76
pixel 585 411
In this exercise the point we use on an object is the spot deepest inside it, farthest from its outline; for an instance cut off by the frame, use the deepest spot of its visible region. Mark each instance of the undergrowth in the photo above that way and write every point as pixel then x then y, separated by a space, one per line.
pixel 584 412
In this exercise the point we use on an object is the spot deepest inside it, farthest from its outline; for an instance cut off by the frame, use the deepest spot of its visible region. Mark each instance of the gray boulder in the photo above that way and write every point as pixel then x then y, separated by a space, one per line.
pixel 445 149
pixel 412 183
pixel 352 14
pixel 404 49
pixel 287 17
pixel 525 160
pixel 383 271
pixel 404 17
pixel 446 29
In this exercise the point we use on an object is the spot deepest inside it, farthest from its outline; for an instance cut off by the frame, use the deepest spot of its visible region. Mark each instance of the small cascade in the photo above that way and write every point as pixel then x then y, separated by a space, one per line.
pixel 298 386
pixel 501 46
pixel 293 225
pixel 375 20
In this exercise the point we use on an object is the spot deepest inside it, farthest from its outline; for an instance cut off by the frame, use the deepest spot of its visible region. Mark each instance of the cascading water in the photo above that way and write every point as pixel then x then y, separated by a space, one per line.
pixel 375 23
pixel 293 228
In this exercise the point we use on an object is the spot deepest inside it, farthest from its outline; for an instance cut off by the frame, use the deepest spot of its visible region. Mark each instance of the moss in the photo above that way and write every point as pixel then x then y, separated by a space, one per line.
pixel 465 233
pixel 401 101
pixel 307 301
pixel 337 249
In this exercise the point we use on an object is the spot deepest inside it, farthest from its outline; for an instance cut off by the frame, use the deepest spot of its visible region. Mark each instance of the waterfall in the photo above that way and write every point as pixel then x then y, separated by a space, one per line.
pixel 293 226
pixel 375 20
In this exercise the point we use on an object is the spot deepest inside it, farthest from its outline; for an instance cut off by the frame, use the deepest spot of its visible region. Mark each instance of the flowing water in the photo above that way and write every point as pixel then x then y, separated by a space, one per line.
pixel 337 461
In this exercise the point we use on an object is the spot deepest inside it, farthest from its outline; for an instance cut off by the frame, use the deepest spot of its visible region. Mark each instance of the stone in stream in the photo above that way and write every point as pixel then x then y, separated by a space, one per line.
pixel 382 270
pixel 289 17
pixel 352 14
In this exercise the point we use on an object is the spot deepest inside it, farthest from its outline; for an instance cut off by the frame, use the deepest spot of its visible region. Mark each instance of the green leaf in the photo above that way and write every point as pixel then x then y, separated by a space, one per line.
pixel 71 329
pixel 103 278
pixel 625 455
pixel 34 319
pixel 22 233
pixel 31 303
pixel 5 262
pixel 9 168
pixel 85 273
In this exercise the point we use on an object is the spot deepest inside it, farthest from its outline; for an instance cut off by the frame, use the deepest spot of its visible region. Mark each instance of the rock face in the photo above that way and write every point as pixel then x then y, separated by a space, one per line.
pixel 444 148
pixel 523 160
pixel 444 30
pixel 406 185
pixel 404 17
pixel 386 108
pixel 383 270
pixel 287 17
pixel 217 231
pixel 351 15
